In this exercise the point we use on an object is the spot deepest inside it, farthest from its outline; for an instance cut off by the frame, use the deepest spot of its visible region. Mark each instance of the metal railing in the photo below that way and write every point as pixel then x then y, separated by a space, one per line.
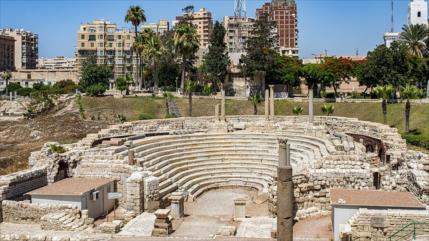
pixel 411 230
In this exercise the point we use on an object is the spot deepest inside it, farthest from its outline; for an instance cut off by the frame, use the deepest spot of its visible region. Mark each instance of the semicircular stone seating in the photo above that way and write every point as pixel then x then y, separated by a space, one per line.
pixel 198 162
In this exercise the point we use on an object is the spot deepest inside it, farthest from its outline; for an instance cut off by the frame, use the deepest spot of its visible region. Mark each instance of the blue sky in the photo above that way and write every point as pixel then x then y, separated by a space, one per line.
pixel 341 27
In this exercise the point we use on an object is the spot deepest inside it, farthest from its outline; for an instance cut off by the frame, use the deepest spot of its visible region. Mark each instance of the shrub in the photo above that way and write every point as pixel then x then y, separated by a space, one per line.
pixel 12 87
pixel 57 148
pixel 328 109
pixel 172 115
pixel 121 118
pixel 96 89
pixel 64 87
pixel 415 137
pixel 25 91
pixel 144 116
pixel 297 110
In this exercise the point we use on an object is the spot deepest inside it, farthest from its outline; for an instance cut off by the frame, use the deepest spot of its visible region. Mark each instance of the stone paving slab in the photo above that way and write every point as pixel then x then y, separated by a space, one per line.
pixel 257 227
pixel 142 225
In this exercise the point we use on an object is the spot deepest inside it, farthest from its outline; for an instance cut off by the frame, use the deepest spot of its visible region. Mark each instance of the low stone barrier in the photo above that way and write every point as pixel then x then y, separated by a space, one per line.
pixel 18 183
pixel 27 213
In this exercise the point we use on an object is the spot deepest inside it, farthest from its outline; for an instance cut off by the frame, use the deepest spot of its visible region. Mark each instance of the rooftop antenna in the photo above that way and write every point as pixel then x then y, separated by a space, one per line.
pixel 391 17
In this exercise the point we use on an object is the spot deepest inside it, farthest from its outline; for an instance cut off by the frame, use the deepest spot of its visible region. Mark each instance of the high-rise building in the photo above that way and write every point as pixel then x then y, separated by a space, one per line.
pixel 161 27
pixel 238 30
pixel 106 43
pixel 203 21
pixel 7 53
pixel 284 13
pixel 418 12
pixel 26 47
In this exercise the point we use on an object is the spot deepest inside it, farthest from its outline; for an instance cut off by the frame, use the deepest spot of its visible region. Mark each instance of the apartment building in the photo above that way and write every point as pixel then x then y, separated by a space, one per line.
pixel 161 27
pixel 7 53
pixel 57 63
pixel 26 47
pixel 106 43
pixel 284 13
pixel 203 21
pixel 238 31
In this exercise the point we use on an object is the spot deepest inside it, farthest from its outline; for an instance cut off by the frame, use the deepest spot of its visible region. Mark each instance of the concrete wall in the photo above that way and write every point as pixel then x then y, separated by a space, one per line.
pixel 57 200
pixel 341 215
pixel 101 206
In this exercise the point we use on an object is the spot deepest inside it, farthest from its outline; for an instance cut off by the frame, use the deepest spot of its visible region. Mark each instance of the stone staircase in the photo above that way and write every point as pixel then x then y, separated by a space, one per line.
pixel 66 221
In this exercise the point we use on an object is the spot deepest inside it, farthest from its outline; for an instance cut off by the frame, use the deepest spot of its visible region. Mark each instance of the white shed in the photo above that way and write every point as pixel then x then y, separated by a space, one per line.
pixel 346 203
pixel 85 193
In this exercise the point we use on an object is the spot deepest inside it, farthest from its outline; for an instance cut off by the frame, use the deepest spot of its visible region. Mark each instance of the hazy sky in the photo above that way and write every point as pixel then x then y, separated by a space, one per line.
pixel 341 27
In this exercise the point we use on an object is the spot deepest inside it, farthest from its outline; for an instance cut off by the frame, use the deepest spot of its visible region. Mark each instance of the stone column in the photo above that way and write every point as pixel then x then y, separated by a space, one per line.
pixel 162 226
pixel 271 101
pixel 310 105
pixel 15 95
pixel 131 158
pixel 222 108
pixel 10 96
pixel 284 194
pixel 217 111
pixel 135 193
pixel 177 200
pixel 151 193
pixel 267 104
pixel 239 208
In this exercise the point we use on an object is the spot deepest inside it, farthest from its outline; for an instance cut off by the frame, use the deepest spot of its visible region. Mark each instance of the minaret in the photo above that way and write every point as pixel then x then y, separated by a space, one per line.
pixel 418 12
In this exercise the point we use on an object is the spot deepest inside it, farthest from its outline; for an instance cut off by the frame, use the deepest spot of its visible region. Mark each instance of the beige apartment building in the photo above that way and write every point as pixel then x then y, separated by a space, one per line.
pixel 57 63
pixel 203 21
pixel 161 27
pixel 7 53
pixel 26 47
pixel 108 45
pixel 238 30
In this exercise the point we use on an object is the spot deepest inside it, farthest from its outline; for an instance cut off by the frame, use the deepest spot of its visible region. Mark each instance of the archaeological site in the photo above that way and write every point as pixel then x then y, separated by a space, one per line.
pixel 264 177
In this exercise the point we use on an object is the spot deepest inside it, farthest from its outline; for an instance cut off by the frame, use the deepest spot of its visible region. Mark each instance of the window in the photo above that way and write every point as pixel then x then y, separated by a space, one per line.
pixel 95 195
pixel 82 36
pixel 110 45
pixel 419 14
pixel 119 37
pixel 119 45
pixel 128 37
pixel 92 30
pixel 110 30
pixel 100 44
pixel 110 38
pixel 91 37
pixel 100 36
pixel 82 45
pixel 92 44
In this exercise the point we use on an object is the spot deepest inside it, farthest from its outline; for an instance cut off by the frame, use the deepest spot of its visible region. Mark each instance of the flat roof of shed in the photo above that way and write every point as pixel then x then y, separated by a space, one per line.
pixel 368 198
pixel 71 187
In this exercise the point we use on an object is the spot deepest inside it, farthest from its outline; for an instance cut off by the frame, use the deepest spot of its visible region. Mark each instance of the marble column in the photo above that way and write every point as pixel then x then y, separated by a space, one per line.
pixel 271 101
pixel 284 194
pixel 222 107
pixel 310 105
pixel 10 96
pixel 239 208
pixel 177 200
pixel 217 111
pixel 267 104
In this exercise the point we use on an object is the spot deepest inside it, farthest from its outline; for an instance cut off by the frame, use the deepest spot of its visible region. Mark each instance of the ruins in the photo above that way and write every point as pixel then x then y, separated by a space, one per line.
pixel 157 163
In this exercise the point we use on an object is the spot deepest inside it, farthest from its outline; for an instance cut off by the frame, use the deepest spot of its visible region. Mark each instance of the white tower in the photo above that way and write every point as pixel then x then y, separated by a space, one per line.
pixel 418 12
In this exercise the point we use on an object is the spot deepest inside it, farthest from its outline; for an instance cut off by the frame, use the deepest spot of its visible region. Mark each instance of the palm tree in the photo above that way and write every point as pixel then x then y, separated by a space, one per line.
pixel 136 16
pixel 385 93
pixel 186 45
pixel 190 87
pixel 415 36
pixel 328 109
pixel 409 92
pixel 6 76
pixel 255 99
pixel 297 110
pixel 154 50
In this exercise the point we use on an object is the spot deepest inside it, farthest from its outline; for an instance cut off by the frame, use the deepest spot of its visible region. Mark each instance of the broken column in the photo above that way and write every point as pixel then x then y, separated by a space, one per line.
pixel 135 193
pixel 267 104
pixel 217 111
pixel 222 107
pixel 177 200
pixel 131 158
pixel 151 193
pixel 10 96
pixel 284 194
pixel 271 101
pixel 239 208
pixel 162 226
pixel 310 105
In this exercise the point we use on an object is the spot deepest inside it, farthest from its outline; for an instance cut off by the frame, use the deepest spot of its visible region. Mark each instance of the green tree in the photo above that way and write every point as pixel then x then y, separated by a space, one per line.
pixel 153 51
pixel 217 60
pixel 136 15
pixel 261 48
pixel 186 46
pixel 121 84
pixel 169 70
pixel 289 69
pixel 6 76
pixel 409 92
pixel 314 75
pixel 190 87
pixel 414 37
pixel 256 99
pixel 384 92
pixel 339 70
pixel 95 78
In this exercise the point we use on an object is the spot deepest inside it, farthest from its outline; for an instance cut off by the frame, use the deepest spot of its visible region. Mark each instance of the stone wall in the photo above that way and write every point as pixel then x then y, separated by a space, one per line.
pixel 369 225
pixel 18 183
pixel 25 212
pixel 135 194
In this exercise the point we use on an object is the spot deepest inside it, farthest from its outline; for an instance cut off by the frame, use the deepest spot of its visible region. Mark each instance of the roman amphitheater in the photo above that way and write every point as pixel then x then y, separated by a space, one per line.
pixel 152 161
